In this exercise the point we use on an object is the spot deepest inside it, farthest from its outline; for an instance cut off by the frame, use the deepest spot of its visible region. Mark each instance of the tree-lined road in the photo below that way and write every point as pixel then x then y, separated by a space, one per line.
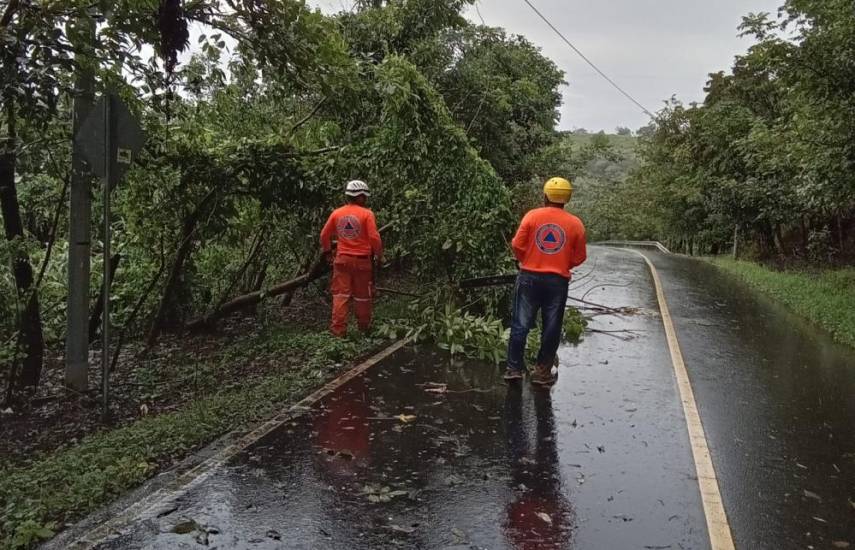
pixel 420 452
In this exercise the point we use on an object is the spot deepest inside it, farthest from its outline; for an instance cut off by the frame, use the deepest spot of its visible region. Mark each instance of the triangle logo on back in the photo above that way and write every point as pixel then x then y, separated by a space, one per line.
pixel 550 238
pixel 348 227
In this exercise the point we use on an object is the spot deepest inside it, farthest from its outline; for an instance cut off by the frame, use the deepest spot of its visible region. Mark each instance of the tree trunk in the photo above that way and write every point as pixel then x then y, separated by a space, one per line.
pixel 736 242
pixel 95 319
pixel 779 240
pixel 259 279
pixel 288 296
pixel 167 306
pixel 252 254
pixel 30 327
pixel 166 312
pixel 318 268
pixel 767 239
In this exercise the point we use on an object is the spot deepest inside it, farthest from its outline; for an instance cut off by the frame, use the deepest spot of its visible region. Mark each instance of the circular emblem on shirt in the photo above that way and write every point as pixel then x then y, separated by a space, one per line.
pixel 550 238
pixel 348 227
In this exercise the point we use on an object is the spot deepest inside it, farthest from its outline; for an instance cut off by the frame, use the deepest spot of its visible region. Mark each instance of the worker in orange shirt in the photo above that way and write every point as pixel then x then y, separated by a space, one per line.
pixel 358 245
pixel 549 243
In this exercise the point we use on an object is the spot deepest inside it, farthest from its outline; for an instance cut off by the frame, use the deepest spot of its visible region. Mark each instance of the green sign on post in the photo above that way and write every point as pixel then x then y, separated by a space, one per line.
pixel 126 138
pixel 110 139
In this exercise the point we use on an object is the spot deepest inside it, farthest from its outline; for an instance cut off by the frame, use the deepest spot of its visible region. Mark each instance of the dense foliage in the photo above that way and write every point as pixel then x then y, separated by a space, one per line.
pixel 767 159
pixel 252 131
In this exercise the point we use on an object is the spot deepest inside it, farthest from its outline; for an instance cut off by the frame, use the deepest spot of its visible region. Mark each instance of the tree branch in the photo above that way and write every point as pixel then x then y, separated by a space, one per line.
pixel 321 151
pixel 8 13
pixel 53 230
pixel 317 268
pixel 308 117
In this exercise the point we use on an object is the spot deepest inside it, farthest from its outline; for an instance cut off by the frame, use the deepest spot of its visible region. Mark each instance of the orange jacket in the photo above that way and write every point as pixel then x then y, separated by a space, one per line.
pixel 550 240
pixel 355 229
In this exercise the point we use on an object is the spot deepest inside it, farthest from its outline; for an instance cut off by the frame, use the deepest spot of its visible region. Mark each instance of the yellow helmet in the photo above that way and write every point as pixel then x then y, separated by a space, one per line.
pixel 558 190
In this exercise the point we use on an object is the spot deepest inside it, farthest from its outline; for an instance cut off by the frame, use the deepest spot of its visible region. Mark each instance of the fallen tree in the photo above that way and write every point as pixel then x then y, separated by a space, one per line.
pixel 316 271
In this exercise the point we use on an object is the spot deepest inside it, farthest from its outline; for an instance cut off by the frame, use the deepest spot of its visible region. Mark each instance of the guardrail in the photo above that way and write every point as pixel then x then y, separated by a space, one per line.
pixel 650 244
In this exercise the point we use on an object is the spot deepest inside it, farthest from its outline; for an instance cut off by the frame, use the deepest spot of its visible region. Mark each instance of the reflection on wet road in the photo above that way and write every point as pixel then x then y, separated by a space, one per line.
pixel 424 452
pixel 540 515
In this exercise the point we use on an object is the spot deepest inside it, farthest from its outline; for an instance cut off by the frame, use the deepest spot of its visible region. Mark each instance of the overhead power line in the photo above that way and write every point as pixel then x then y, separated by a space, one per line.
pixel 589 62
pixel 478 11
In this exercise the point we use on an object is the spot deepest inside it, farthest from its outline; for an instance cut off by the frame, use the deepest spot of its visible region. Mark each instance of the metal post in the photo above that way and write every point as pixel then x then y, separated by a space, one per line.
pixel 80 215
pixel 105 330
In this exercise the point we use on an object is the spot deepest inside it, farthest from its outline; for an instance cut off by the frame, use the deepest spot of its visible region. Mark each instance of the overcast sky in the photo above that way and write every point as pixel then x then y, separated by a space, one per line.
pixel 652 48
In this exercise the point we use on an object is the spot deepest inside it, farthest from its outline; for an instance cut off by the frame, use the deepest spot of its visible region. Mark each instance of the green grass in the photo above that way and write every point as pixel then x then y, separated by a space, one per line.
pixel 824 297
pixel 64 486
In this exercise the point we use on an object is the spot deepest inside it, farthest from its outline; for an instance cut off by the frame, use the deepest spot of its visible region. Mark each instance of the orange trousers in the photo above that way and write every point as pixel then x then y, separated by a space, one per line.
pixel 352 280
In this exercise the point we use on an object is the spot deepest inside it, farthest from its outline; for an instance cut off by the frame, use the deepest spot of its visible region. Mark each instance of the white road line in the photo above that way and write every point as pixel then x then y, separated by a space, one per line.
pixel 204 470
pixel 717 523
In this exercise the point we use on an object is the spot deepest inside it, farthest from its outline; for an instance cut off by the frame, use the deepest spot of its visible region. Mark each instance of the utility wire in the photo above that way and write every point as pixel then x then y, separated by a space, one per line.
pixel 478 11
pixel 589 62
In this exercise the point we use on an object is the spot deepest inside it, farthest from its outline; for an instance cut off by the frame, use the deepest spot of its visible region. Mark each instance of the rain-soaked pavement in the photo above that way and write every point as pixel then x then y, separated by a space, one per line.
pixel 424 452
pixel 777 398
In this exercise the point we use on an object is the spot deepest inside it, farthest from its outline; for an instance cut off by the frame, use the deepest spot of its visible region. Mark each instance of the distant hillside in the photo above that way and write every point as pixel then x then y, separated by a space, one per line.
pixel 613 159
pixel 624 145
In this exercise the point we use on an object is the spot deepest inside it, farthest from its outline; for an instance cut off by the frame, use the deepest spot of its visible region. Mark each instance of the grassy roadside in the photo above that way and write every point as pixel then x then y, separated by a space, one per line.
pixel 52 490
pixel 826 298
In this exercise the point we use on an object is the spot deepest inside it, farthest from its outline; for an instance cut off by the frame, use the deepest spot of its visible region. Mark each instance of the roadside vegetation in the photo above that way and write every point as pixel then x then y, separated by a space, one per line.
pixel 765 160
pixel 482 335
pixel 249 142
pixel 824 297
pixel 761 169
pixel 46 490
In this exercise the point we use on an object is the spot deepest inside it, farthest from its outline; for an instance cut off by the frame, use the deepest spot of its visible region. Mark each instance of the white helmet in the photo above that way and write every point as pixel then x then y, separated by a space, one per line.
pixel 356 188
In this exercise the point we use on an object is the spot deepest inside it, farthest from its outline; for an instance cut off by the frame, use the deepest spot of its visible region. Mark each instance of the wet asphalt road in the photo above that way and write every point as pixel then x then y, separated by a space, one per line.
pixel 777 398
pixel 600 462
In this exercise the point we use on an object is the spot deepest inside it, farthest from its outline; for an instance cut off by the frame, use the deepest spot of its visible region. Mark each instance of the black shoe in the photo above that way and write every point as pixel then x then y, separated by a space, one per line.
pixel 513 375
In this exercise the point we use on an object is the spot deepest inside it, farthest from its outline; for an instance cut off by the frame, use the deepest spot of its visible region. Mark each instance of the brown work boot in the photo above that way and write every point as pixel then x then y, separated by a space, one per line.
pixel 512 375
pixel 542 376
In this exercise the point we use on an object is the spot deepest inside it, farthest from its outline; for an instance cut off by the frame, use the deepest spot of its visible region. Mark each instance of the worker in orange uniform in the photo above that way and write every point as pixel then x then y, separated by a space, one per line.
pixel 358 245
pixel 549 243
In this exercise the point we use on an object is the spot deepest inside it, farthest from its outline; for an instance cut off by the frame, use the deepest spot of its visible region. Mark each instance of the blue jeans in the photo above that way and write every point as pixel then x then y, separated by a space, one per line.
pixel 533 292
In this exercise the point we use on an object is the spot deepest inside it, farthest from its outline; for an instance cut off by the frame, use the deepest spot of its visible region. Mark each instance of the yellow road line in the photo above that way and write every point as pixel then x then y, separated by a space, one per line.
pixel 192 477
pixel 717 524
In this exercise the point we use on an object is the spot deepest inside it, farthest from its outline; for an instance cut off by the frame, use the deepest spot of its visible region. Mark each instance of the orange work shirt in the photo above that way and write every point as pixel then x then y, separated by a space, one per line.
pixel 355 229
pixel 550 240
